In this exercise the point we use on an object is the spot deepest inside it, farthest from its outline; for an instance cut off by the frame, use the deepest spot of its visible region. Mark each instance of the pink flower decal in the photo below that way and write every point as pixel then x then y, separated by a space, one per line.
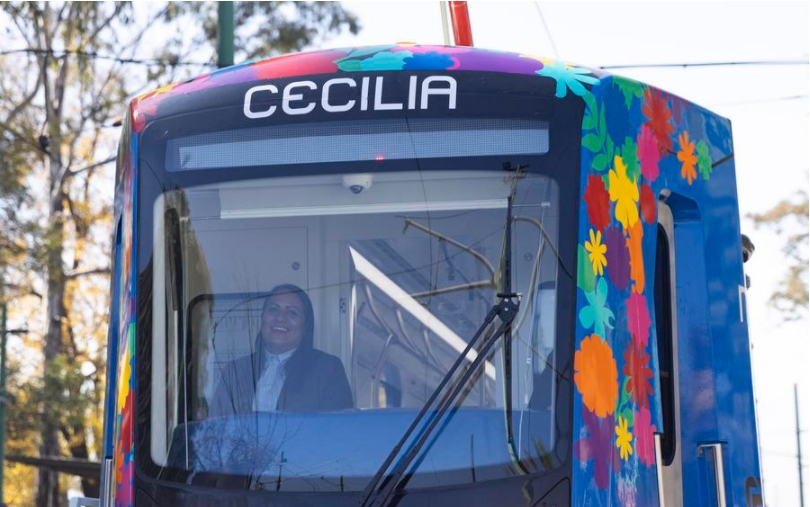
pixel 643 430
pixel 638 319
pixel 298 64
pixel 648 153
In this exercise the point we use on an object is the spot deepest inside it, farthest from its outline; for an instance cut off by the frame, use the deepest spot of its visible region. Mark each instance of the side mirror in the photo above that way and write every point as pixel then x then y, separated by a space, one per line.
pixel 747 248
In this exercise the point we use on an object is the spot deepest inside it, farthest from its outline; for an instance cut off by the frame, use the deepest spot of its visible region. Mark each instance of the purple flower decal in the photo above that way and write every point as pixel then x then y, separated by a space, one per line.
pixel 495 61
pixel 618 258
pixel 598 446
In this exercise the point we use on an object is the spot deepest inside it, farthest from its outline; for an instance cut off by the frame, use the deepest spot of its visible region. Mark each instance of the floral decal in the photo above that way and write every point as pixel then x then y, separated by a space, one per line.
pixel 597 447
pixel 623 439
pixel 596 252
pixel 658 115
pixel 638 373
pixel 618 257
pixel 638 318
pixel 596 314
pixel 648 153
pixel 704 160
pixel 567 76
pixel 598 201
pixel 636 140
pixel 643 430
pixel 686 155
pixel 595 375
pixel 635 235
pixel 624 192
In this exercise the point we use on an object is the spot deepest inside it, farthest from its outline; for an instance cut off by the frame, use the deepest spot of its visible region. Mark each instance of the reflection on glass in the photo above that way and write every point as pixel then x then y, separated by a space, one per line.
pixel 400 276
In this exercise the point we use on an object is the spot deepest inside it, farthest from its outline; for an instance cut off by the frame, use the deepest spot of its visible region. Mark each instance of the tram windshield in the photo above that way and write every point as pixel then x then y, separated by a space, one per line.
pixel 300 322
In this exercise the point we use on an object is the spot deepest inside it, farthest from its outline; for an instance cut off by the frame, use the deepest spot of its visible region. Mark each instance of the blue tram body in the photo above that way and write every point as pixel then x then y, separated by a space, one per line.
pixel 399 187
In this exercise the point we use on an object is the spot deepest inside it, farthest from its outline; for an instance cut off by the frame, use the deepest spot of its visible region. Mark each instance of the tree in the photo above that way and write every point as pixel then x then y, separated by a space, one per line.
pixel 73 66
pixel 790 217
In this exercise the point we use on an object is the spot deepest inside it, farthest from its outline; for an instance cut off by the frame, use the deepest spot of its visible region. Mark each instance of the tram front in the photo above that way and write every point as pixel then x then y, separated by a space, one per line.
pixel 315 252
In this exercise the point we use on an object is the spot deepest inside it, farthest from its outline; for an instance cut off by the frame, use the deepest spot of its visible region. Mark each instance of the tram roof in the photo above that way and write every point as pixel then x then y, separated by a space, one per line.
pixel 392 57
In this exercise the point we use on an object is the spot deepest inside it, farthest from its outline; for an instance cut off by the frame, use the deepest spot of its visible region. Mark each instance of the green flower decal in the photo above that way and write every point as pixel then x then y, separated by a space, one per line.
pixel 629 89
pixel 630 158
pixel 567 77
pixel 585 276
pixel 597 314
pixel 704 160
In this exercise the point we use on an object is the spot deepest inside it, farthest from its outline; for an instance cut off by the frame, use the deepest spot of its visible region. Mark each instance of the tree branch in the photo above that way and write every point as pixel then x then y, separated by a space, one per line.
pixel 24 290
pixel 91 166
pixel 95 271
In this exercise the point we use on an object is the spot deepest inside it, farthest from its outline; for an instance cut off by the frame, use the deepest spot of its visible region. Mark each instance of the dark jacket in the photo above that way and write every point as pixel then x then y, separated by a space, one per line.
pixel 315 381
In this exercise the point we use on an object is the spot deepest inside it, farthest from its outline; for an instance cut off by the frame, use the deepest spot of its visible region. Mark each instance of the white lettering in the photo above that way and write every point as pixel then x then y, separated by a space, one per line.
pixel 325 96
pixel 364 95
pixel 378 103
pixel 450 92
pixel 289 97
pixel 412 93
pixel 249 96
pixel 293 101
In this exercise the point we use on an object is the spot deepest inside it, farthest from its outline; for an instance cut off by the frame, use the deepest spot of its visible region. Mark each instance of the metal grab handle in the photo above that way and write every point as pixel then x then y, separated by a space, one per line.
pixel 659 468
pixel 719 471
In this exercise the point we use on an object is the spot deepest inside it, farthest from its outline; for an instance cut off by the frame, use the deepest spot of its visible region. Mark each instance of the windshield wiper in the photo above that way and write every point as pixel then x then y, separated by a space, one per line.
pixel 506 310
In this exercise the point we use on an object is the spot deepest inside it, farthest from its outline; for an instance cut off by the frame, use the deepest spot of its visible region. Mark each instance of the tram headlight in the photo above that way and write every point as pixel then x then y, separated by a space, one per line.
pixel 356 183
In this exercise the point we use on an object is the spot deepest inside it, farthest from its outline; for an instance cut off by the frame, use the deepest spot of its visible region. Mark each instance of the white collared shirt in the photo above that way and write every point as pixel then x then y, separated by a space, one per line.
pixel 268 388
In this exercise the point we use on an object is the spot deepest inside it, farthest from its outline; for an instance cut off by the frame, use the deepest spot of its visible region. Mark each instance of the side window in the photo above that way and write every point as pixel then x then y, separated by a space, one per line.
pixel 664 326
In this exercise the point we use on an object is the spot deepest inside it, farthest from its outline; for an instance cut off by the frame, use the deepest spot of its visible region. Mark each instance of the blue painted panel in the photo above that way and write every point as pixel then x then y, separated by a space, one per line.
pixel 638 141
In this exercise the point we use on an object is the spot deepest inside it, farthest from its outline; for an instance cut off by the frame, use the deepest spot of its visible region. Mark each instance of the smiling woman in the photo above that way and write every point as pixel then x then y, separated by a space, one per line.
pixel 284 372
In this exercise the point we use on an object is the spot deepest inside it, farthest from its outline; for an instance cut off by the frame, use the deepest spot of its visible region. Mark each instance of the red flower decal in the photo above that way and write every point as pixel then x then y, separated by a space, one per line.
pixel 598 201
pixel 658 118
pixel 649 209
pixel 639 373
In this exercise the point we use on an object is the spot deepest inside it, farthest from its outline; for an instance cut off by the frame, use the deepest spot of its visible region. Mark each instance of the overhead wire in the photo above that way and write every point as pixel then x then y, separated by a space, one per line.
pixel 704 64
pixel 140 61
pixel 548 32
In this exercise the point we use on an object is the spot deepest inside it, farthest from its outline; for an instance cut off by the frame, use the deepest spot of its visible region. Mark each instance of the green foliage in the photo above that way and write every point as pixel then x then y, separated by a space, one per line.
pixel 789 218
pixel 261 30
pixel 74 67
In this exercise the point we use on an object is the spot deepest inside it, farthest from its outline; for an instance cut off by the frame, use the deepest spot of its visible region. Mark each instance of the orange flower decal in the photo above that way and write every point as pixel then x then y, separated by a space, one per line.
pixel 686 155
pixel 636 256
pixel 595 375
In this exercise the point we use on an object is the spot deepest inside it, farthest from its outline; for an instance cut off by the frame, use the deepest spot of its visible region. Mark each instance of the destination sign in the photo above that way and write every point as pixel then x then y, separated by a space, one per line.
pixel 343 94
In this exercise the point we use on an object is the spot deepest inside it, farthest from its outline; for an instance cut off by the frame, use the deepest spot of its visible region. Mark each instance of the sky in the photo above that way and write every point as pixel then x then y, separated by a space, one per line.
pixel 768 109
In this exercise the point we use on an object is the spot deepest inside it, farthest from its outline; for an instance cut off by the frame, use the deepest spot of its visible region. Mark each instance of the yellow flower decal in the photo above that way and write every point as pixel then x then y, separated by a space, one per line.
pixel 686 155
pixel 623 439
pixel 624 193
pixel 596 252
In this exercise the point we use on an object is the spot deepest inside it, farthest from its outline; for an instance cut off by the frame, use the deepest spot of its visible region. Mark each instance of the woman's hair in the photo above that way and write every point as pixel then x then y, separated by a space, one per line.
pixel 307 340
